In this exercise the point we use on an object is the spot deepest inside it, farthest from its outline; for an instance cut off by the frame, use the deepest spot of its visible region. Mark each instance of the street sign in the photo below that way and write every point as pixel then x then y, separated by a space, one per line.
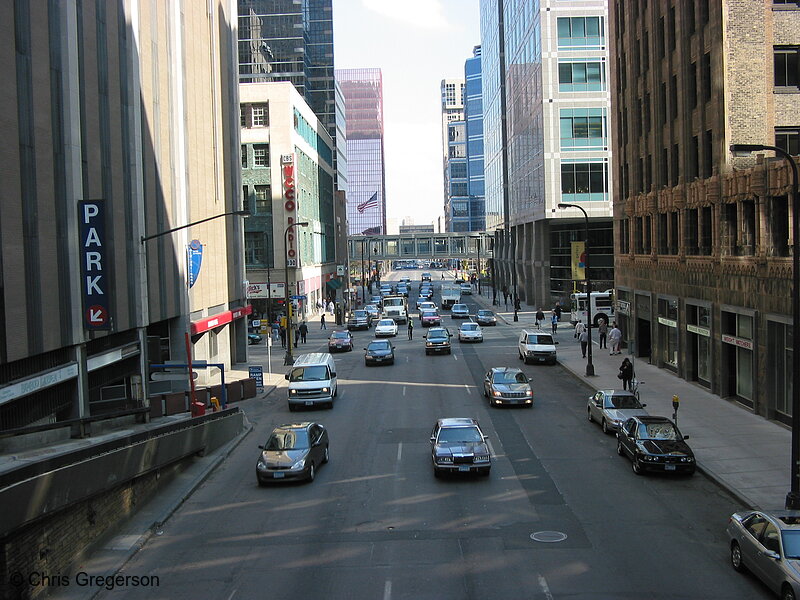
pixel 291 262
pixel 297 297
pixel 171 376
pixel 257 373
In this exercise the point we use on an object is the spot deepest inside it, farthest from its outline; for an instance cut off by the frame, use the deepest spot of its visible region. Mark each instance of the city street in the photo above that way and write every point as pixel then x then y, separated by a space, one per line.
pixel 376 523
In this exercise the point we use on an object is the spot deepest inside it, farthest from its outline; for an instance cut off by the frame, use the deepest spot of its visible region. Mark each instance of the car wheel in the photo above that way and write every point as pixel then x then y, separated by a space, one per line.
pixel 485 394
pixel 261 482
pixel 449 351
pixel 637 468
pixel 485 472
pixel 391 362
pixel 335 393
pixel 589 416
pixel 437 473
pixel 351 348
pixel 605 428
pixel 620 449
pixel 787 593
pixel 312 472
pixel 292 408
pixel 736 558
pixel 327 456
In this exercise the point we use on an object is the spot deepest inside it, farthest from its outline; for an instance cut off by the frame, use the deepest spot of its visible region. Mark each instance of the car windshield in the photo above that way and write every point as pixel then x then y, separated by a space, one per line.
pixel 437 333
pixel 378 346
pixel 360 314
pixel 509 377
pixel 791 544
pixel 540 339
pixel 429 313
pixel 459 434
pixel 469 327
pixel 340 335
pixel 385 323
pixel 315 373
pixel 658 431
pixel 622 402
pixel 459 307
pixel 485 313
pixel 287 439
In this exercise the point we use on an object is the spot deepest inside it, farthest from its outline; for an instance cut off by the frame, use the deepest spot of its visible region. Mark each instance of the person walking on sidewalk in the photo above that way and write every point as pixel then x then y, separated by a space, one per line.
pixel 615 337
pixel 554 323
pixel 303 331
pixel 282 333
pixel 539 318
pixel 579 329
pixel 557 310
pixel 602 329
pixel 584 340
pixel 626 374
pixel 322 321
pixel 410 328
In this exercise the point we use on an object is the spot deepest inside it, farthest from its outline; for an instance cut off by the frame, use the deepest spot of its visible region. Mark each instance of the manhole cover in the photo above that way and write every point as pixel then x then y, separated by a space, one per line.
pixel 548 537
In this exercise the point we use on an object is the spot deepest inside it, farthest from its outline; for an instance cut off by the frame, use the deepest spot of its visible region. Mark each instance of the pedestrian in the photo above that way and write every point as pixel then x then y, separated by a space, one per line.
pixel 505 298
pixel 319 305
pixel 557 310
pixel 584 340
pixel 296 334
pixel 554 322
pixel 282 333
pixel 539 318
pixel 410 328
pixel 303 329
pixel 322 321
pixel 579 329
pixel 602 329
pixel 330 307
pixel 615 337
pixel 275 331
pixel 626 374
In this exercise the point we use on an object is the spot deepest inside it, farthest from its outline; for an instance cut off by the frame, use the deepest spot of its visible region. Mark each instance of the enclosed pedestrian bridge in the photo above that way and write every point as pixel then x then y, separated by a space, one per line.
pixel 421 246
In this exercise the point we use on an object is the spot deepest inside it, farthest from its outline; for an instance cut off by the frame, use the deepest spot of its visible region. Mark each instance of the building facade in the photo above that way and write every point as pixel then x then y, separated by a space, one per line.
pixel 702 238
pixel 122 132
pixel 287 177
pixel 366 198
pixel 454 155
pixel 547 142
pixel 473 121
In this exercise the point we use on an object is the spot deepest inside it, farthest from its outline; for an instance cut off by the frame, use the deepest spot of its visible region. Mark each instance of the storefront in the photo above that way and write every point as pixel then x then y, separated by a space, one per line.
pixel 737 360
pixel 779 366
pixel 643 325
pixel 623 315
pixel 698 342
pixel 668 332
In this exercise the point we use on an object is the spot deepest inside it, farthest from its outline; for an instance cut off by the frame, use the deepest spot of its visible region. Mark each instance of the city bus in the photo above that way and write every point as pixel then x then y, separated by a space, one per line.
pixel 602 307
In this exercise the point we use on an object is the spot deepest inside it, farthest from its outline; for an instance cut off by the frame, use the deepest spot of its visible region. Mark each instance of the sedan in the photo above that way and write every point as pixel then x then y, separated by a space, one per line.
pixel 485 317
pixel 507 385
pixel 459 446
pixel 611 408
pixel 459 311
pixel 470 332
pixel 655 444
pixel 426 305
pixel 379 352
pixel 386 327
pixel 340 340
pixel 292 452
pixel 437 340
pixel 768 545
pixel 426 293
pixel 429 318
pixel 253 338
pixel 372 311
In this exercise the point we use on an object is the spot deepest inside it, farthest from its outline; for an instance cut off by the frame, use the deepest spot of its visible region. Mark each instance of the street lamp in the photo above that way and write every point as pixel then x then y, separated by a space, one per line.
pixel 589 364
pixel 289 358
pixel 793 497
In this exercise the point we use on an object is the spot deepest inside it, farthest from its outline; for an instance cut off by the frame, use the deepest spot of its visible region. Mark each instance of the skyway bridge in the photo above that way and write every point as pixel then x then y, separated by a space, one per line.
pixel 435 247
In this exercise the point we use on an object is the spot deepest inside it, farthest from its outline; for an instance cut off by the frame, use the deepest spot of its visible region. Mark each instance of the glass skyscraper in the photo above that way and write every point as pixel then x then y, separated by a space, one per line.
pixel 473 120
pixel 366 199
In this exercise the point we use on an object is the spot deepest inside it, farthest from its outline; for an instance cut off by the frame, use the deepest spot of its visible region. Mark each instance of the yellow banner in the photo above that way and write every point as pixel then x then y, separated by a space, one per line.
pixel 578 256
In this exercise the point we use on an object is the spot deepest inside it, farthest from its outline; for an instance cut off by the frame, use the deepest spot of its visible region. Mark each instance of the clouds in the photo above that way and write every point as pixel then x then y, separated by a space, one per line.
pixel 425 14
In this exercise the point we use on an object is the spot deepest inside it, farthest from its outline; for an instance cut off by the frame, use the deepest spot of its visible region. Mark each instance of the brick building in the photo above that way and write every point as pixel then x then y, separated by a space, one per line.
pixel 702 239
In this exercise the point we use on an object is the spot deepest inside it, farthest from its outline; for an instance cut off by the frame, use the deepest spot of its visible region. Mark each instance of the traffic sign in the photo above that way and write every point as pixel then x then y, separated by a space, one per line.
pixel 297 297
pixel 257 373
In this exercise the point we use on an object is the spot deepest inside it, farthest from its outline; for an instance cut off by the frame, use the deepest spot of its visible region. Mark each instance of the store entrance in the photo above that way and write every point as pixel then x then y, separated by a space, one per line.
pixel 642 338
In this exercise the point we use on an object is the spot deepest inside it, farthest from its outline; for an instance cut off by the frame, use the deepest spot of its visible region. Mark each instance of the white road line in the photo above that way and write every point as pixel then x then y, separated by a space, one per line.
pixel 233 593
pixel 491 449
pixel 404 390
pixel 455 357
pixel 399 451
pixel 387 590
pixel 469 391
pixel 543 585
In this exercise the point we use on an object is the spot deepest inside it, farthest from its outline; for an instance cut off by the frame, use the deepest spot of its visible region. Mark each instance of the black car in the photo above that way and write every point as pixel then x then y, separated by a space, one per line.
pixel 437 340
pixel 340 340
pixel 379 352
pixel 459 446
pixel 292 452
pixel 655 444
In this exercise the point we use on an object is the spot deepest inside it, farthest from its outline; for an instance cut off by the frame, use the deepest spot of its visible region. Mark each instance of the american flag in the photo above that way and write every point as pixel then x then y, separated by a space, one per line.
pixel 369 203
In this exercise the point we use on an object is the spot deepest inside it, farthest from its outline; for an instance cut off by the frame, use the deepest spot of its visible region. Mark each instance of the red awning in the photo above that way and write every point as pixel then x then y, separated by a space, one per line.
pixel 220 319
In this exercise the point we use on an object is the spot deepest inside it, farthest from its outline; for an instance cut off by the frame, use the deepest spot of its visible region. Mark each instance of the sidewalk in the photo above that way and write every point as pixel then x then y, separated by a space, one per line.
pixel 742 452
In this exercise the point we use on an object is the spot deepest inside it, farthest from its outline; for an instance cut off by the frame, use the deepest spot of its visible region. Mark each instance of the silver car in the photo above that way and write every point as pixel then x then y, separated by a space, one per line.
pixel 507 385
pixel 768 545
pixel 611 408
pixel 470 332
pixel 459 311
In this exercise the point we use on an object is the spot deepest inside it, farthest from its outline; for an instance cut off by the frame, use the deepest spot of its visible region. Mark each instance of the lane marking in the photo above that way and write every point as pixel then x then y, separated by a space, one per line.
pixel 544 586
pixel 491 448
pixel 399 451
pixel 404 390
pixel 469 391
pixel 387 590
pixel 455 357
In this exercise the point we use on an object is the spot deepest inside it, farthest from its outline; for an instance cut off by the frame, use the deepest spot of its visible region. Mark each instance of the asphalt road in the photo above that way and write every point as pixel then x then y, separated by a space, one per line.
pixel 377 524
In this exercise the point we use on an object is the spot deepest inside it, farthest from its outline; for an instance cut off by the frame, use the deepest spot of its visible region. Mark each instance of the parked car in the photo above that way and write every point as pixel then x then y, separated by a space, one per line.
pixel 379 352
pixel 429 318
pixel 485 317
pixel 386 327
pixel 373 311
pixel 768 545
pixel 536 346
pixel 292 452
pixel 470 332
pixel 437 340
pixel 466 289
pixel 358 320
pixel 253 338
pixel 459 446
pixel 611 408
pixel 459 311
pixel 655 444
pixel 340 340
pixel 507 385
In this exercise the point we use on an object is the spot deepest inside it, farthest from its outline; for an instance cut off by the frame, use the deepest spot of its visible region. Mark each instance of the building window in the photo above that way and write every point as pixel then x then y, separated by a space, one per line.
pixel 675 164
pixel 674 97
pixel 583 129
pixel 671 28
pixel 458 189
pixel 662 103
pixel 708 153
pixel 638 242
pixel 460 209
pixel 457 151
pixel 788 139
pixel 674 233
pixel 779 361
pixel 261 155
pixel 255 250
pixel 587 76
pixel 690 236
pixel 668 330
pixel 259 115
pixel 705 76
pixel 692 85
pixel 787 66
pixel 263 199
pixel 694 158
pixel 662 233
pixel 584 181
pixel 458 170
pixel 706 234
pixel 581 33
pixel 245 199
pixel 778 226
pixel 663 171
pixel 244 156
pixel 242 115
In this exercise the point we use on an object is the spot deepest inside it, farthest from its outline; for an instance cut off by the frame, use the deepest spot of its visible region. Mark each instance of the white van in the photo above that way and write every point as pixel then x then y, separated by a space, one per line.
pixel 312 381
pixel 537 346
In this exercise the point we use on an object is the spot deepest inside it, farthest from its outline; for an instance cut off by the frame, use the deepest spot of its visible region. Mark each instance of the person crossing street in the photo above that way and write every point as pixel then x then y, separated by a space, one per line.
pixel 410 328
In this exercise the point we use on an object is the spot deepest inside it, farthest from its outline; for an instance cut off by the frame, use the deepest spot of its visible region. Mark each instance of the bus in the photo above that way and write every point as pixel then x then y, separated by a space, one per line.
pixel 602 307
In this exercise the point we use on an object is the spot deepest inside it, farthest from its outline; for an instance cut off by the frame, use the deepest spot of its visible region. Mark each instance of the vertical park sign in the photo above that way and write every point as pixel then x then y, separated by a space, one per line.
pixel 91 217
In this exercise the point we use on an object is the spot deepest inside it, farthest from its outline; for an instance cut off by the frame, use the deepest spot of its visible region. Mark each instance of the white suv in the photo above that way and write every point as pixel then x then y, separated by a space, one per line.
pixel 537 346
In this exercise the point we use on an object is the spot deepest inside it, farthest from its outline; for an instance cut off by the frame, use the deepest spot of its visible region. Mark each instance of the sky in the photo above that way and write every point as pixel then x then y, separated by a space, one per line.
pixel 416 44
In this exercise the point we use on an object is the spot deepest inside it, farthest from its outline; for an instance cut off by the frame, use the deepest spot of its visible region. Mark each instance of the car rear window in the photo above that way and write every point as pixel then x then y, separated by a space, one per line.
pixel 623 402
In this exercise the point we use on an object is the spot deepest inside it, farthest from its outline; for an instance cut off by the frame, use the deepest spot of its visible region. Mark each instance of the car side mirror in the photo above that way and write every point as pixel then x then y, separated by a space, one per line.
pixel 433 439
pixel 686 437
pixel 333 374
pixel 772 554
pixel 261 447
pixel 486 437
pixel 364 348
pixel 530 379
pixel 643 405
pixel 286 377
pixel 598 403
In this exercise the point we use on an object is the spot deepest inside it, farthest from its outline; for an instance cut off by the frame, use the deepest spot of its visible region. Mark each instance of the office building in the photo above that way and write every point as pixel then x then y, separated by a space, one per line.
pixel 702 238
pixel 454 154
pixel 473 130
pixel 366 198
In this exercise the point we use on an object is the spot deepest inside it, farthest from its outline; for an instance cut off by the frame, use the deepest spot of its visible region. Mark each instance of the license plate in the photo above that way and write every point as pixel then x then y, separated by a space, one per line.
pixel 541 360
pixel 463 467
pixel 309 403
pixel 669 467
pixel 378 359
pixel 278 475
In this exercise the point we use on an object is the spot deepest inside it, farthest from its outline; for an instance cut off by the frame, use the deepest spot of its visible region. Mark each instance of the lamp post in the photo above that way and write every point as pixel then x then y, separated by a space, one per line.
pixel 480 239
pixel 793 497
pixel 514 272
pixel 289 358
pixel 589 363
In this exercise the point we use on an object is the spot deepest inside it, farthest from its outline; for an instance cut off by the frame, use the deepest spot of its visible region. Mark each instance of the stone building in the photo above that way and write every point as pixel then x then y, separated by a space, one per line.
pixel 702 238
